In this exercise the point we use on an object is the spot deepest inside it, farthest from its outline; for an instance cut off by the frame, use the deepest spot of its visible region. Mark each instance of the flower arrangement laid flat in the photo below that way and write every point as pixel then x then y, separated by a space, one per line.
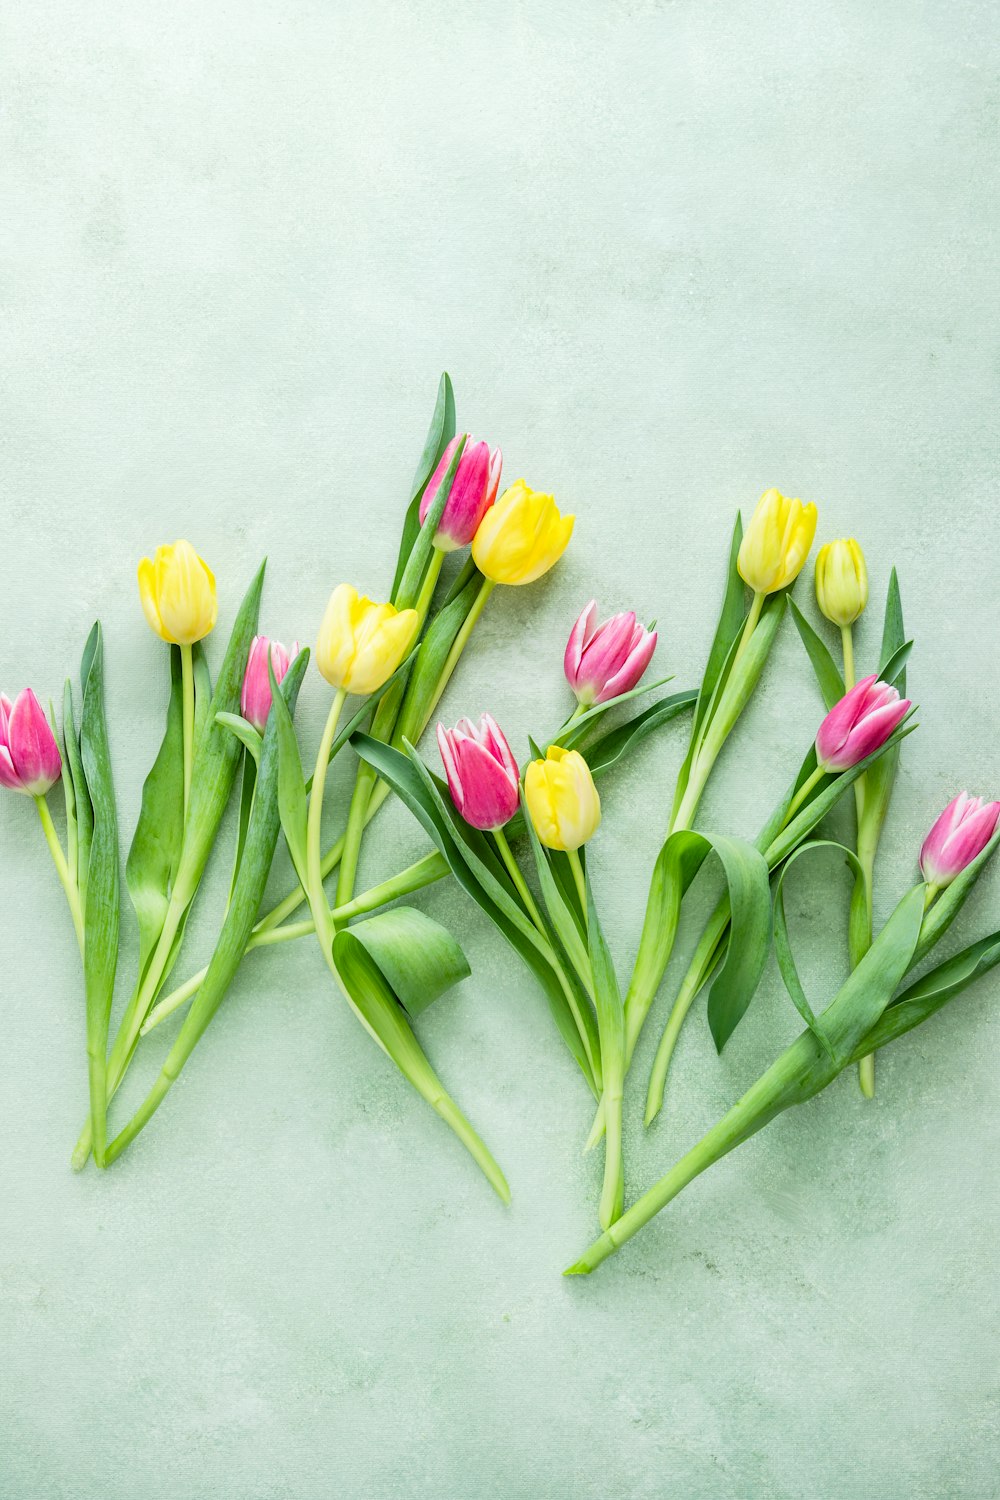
pixel 514 835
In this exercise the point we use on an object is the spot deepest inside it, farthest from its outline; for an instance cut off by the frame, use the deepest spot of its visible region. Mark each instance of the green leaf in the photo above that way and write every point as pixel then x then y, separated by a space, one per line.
pixel 429 660
pixel 419 959
pixel 828 675
pixel 82 808
pixel 893 631
pixel 248 789
pixel 244 732
pixel 439 435
pixel 480 875
pixel 949 903
pixel 929 993
pixel 577 728
pixel 561 912
pixel 611 1030
pixel 742 673
pixel 292 808
pixel 420 554
pixel 615 744
pixel 782 942
pixel 155 852
pixel 101 910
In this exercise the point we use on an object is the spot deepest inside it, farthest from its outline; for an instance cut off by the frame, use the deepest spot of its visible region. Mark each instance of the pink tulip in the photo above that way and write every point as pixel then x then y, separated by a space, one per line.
pixel 482 772
pixel 857 725
pixel 29 756
pixel 603 661
pixel 960 833
pixel 473 491
pixel 255 699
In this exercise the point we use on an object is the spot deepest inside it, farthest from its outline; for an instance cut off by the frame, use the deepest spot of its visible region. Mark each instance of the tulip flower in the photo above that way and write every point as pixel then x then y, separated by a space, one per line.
pixel 776 543
pixel 255 698
pixel 482 772
pixel 859 724
pixel 361 643
pixel 841 581
pixel 30 761
pixel 603 661
pixel 178 595
pixel 562 799
pixel 473 491
pixel 958 835
pixel 521 537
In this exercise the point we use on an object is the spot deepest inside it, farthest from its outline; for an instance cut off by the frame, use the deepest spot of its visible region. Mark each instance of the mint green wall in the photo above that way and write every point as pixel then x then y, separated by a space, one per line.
pixel 671 253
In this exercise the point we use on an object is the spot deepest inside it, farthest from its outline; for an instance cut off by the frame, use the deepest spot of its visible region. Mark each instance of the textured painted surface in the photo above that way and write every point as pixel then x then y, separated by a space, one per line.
pixel 671 253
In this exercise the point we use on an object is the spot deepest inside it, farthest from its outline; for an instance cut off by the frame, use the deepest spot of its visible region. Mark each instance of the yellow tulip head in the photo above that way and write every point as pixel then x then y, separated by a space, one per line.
pixel 776 543
pixel 841 581
pixel 178 596
pixel 562 799
pixel 520 537
pixel 361 643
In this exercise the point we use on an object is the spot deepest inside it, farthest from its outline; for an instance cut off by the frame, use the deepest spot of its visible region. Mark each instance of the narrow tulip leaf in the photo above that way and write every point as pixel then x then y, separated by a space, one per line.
pixel 561 912
pixel 101 910
pixel 244 732
pixel 742 673
pixel 894 669
pixel 893 631
pixel 949 903
pixel 578 727
pixel 611 1030
pixel 782 942
pixel 406 595
pixel 439 435
pixel 360 960
pixel 82 807
pixel 429 661
pixel 241 913
pixel 217 752
pixel 248 785
pixel 466 573
pixel 614 745
pixel 202 687
pixel 831 683
pixel 932 991
pixel 156 845
pixel 482 878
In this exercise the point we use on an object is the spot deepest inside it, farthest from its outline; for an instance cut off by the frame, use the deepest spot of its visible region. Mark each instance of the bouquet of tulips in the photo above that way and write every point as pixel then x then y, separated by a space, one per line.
pixel 513 835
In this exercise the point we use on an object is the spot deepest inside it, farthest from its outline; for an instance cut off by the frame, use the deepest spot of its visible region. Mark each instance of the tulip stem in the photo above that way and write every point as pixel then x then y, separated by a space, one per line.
pixel 520 884
pixel 847 641
pixel 187 699
pixel 803 792
pixel 66 879
pixel 431 577
pixel 753 615
pixel 578 879
pixel 460 642
pixel 314 866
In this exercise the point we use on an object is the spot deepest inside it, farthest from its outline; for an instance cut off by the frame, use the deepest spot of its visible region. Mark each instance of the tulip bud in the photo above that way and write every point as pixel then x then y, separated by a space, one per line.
pixel 959 834
pixel 361 643
pixel 482 772
pixel 603 661
pixel 776 543
pixel 859 724
pixel 255 698
pixel 178 596
pixel 473 491
pixel 521 537
pixel 30 761
pixel 841 581
pixel 562 799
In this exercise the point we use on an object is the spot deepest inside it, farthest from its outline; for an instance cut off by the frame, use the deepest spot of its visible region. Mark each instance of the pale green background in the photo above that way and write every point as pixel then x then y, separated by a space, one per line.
pixel 671 254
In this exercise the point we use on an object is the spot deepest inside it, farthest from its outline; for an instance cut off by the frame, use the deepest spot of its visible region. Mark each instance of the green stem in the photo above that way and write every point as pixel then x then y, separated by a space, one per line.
pixel 803 792
pixel 847 641
pixel 520 884
pixel 314 823
pixel 753 615
pixel 578 880
pixel 66 879
pixel 431 577
pixel 704 960
pixel 187 699
pixel 357 820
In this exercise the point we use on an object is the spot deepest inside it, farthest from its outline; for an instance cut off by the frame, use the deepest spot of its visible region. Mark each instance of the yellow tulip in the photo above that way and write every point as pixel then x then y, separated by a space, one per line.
pixel 776 543
pixel 361 643
pixel 562 799
pixel 177 589
pixel 841 581
pixel 520 537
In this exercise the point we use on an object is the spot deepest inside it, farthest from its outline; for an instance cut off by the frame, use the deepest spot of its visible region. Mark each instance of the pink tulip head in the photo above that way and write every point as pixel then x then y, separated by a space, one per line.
pixel 473 491
pixel 255 699
pixel 30 761
pixel 958 835
pixel 859 724
pixel 602 661
pixel 482 772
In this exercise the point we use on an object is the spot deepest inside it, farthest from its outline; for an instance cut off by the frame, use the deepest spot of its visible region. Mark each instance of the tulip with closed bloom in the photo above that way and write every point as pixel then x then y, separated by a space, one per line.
pixel 255 698
pixel 841 581
pixel 361 643
pixel 482 772
pixel 859 724
pixel 562 799
pixel 30 761
pixel 603 661
pixel 521 537
pixel 958 835
pixel 776 543
pixel 473 491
